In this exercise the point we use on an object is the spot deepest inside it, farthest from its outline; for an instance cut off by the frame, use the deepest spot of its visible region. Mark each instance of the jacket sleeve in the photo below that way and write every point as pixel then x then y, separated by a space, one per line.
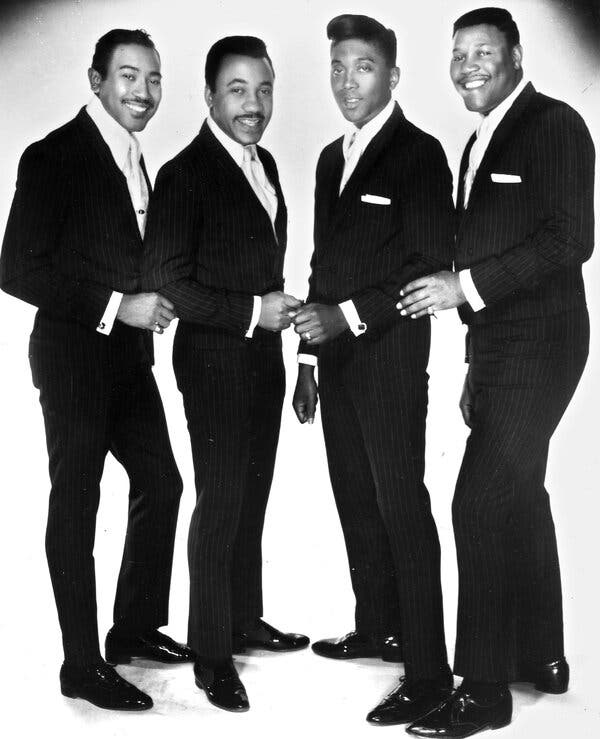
pixel 40 207
pixel 171 244
pixel 425 238
pixel 561 173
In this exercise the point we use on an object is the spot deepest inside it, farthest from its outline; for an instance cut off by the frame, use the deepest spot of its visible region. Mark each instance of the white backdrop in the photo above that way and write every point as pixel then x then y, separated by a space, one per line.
pixel 45 50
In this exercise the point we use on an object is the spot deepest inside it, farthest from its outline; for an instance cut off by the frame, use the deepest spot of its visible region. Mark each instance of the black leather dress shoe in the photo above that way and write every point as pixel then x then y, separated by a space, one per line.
pixel 410 700
pixel 222 685
pixel 265 636
pixel 464 715
pixel 153 645
pixel 104 687
pixel 552 677
pixel 355 645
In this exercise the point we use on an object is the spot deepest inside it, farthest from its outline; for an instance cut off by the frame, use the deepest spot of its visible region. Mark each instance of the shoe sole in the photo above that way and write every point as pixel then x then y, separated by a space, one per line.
pixel 74 695
pixel 373 655
pixel 261 648
pixel 493 727
pixel 218 705
pixel 113 658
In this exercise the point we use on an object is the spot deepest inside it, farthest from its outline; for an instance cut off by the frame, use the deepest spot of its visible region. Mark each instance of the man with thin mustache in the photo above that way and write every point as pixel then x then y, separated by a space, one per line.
pixel 525 226
pixel 216 244
pixel 73 248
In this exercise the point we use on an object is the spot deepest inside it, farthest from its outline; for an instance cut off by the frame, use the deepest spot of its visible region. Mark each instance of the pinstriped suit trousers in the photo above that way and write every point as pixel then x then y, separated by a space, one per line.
pixel 524 374
pixel 373 394
pixel 98 394
pixel 233 396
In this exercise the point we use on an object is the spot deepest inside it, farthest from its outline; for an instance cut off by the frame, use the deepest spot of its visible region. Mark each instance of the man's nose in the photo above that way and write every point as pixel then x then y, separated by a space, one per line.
pixel 142 89
pixel 349 81
pixel 470 64
pixel 252 103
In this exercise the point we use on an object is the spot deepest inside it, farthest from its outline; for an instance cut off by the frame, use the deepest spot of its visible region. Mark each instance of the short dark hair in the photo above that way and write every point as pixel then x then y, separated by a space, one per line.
pixel 347 26
pixel 239 45
pixel 497 17
pixel 109 42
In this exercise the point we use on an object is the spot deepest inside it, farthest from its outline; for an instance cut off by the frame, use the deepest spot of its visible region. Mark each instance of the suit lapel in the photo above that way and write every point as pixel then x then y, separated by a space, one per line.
pixel 233 172
pixel 93 142
pixel 376 148
pixel 281 215
pixel 501 134
pixel 464 163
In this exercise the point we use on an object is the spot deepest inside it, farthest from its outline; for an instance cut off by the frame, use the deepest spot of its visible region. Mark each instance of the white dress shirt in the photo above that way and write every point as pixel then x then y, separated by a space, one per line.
pixel 485 130
pixel 354 144
pixel 236 152
pixel 119 141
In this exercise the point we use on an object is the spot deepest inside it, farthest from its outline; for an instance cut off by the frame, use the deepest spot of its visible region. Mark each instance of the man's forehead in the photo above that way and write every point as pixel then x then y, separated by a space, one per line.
pixel 132 55
pixel 481 33
pixel 356 46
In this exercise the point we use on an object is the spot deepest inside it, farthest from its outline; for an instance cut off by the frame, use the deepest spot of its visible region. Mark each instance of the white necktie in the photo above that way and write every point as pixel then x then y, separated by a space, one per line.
pixel 136 183
pixel 255 174
pixel 351 157
pixel 475 157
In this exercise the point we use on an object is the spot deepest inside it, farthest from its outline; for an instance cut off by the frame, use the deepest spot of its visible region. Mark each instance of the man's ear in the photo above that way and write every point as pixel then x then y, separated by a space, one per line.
pixel 208 96
pixel 95 79
pixel 517 56
pixel 394 77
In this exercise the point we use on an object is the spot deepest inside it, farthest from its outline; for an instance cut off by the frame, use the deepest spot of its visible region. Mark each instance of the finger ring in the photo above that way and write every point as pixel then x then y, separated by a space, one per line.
pixel 307 335
pixel 431 311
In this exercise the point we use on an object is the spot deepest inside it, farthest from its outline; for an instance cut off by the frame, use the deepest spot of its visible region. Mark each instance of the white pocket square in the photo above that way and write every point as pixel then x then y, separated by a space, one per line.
pixel 506 177
pixel 375 199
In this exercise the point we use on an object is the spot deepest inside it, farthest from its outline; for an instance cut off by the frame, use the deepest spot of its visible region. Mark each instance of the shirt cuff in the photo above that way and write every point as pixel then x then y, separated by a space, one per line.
pixel 470 291
pixel 110 313
pixel 308 359
pixel 352 318
pixel 255 316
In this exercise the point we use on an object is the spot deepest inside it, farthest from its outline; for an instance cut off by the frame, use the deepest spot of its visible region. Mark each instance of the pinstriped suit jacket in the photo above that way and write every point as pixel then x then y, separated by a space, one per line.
pixel 210 244
pixel 525 241
pixel 72 236
pixel 364 251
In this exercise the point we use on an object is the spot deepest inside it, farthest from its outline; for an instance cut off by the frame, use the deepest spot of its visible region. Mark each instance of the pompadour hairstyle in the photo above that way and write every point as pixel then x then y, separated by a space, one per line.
pixel 240 45
pixel 497 17
pixel 109 42
pixel 348 26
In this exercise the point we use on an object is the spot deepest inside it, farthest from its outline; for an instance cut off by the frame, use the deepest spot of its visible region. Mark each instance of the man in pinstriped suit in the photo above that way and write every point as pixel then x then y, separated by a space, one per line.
pixel 73 248
pixel 525 226
pixel 383 215
pixel 216 243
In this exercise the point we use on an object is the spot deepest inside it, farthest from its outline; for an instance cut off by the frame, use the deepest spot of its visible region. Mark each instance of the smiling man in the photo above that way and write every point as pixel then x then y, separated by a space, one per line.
pixel 526 225
pixel 216 244
pixel 73 248
pixel 383 215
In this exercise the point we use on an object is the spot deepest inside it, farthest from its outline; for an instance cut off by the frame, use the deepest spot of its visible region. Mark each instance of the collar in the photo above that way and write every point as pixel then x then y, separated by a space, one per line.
pixel 232 147
pixel 491 121
pixel 367 133
pixel 116 137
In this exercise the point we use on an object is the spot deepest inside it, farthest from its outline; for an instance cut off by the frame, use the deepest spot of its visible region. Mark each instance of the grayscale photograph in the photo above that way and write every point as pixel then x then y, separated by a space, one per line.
pixel 299 307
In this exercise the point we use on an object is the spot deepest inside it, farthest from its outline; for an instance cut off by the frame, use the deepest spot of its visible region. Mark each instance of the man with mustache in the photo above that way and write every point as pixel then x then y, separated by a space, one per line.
pixel 73 248
pixel 383 215
pixel 216 244
pixel 525 226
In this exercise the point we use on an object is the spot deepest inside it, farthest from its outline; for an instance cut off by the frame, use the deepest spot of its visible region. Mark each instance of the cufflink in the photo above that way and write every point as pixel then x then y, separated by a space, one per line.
pixel 362 327
pixel 101 326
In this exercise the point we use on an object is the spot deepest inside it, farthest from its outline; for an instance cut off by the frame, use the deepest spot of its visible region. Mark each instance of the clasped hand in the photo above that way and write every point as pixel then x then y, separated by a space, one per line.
pixel 151 311
pixel 317 323
pixel 424 296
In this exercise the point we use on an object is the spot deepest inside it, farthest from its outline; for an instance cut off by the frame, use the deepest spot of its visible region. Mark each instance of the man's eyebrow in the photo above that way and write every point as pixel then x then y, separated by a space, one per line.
pixel 360 59
pixel 137 69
